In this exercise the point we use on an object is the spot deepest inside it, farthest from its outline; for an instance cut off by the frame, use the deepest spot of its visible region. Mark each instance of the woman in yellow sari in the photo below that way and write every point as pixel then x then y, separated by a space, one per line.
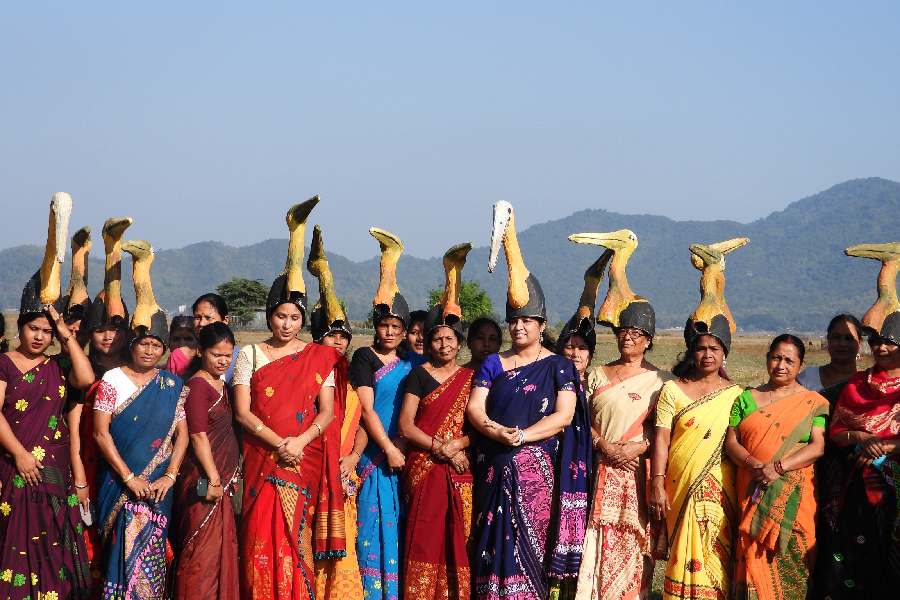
pixel 692 488
pixel 776 433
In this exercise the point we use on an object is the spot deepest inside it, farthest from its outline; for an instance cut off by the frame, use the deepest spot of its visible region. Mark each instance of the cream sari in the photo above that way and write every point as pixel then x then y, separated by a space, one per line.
pixel 700 486
pixel 617 563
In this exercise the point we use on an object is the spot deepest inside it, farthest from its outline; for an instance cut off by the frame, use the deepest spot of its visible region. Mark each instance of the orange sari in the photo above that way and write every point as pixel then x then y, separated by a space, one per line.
pixel 776 536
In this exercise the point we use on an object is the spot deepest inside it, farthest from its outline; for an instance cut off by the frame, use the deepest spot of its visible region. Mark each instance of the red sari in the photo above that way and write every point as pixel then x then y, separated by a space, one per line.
pixel 439 501
pixel 206 532
pixel 280 503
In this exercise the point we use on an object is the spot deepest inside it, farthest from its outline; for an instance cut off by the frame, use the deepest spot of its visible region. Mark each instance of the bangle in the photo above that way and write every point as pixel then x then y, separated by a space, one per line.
pixel 319 427
pixel 128 477
pixel 215 484
pixel 258 427
pixel 281 444
pixel 432 444
pixel 659 475
pixel 747 459
pixel 82 486
pixel 358 455
pixel 595 441
pixel 778 468
pixel 64 340
pixel 172 476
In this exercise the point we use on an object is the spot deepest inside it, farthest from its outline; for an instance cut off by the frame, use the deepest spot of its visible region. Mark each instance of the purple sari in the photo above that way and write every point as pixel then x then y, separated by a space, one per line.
pixel 42 552
pixel 531 500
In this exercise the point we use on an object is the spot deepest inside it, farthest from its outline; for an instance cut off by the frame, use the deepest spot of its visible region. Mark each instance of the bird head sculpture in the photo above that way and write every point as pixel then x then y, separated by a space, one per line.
pixel 43 288
pixel 582 322
pixel 447 311
pixel 289 287
pixel 388 301
pixel 524 296
pixel 712 316
pixel 77 301
pixel 108 309
pixel 328 315
pixel 148 319
pixel 621 307
pixel 883 317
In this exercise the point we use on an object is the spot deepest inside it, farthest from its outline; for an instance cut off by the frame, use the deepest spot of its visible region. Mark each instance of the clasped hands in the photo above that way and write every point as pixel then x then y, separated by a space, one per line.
pixel 290 450
pixel 622 455
pixel 450 450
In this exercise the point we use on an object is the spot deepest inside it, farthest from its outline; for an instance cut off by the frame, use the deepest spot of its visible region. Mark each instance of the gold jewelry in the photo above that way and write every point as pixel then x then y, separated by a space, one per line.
pixel 128 477
pixel 171 476
pixel 80 486
pixel 319 427
pixel 258 427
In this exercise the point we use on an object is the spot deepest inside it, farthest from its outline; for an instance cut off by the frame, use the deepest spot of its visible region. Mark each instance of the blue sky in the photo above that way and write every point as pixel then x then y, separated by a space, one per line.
pixel 207 121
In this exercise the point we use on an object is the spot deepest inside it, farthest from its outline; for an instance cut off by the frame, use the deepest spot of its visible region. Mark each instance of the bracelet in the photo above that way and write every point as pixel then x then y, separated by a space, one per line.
pixel 595 441
pixel 172 476
pixel 281 444
pixel 778 468
pixel 258 427
pixel 215 484
pixel 358 455
pixel 128 477
pixel 663 475
pixel 80 486
pixel 521 439
pixel 63 341
pixel 432 444
pixel 747 459
pixel 319 427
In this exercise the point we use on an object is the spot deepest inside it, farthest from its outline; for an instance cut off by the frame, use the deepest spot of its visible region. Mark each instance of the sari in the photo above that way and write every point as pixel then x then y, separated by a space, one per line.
pixel 438 501
pixel 777 528
pixel 378 503
pixel 278 536
pixel 617 561
pixel 206 532
pixel 697 537
pixel 338 578
pixel 861 555
pixel 530 500
pixel 133 532
pixel 41 549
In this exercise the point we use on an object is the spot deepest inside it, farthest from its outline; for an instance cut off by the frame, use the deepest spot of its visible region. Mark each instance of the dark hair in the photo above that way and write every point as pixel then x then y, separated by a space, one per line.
pixel 685 365
pixel 480 322
pixel 564 339
pixel 417 316
pixel 647 334
pixel 430 334
pixel 787 338
pixel 181 322
pixel 845 318
pixel 214 300
pixel 27 317
pixel 209 336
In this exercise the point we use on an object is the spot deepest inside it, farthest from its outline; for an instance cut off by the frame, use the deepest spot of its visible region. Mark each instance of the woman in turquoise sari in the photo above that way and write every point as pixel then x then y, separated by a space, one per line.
pixel 140 430
pixel 378 374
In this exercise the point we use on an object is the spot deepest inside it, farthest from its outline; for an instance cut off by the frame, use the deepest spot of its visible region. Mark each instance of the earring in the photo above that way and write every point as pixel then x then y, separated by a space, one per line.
pixel 724 363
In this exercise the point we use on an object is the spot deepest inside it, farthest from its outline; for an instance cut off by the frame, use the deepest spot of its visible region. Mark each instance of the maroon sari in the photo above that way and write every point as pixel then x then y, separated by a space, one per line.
pixel 438 500
pixel 277 533
pixel 41 549
pixel 206 532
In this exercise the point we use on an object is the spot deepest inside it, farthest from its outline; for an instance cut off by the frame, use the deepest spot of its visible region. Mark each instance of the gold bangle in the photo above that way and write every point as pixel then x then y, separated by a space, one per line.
pixel 171 476
pixel 663 475
pixel 258 427
pixel 319 427
pixel 128 477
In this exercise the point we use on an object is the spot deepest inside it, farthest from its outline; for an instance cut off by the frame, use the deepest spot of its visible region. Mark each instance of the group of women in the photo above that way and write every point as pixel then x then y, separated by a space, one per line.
pixel 281 470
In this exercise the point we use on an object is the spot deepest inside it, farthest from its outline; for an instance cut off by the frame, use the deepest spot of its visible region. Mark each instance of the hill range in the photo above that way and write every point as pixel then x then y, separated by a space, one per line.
pixel 792 276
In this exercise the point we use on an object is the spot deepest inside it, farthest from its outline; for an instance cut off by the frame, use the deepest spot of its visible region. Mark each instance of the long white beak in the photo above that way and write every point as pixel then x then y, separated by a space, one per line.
pixel 61 204
pixel 503 211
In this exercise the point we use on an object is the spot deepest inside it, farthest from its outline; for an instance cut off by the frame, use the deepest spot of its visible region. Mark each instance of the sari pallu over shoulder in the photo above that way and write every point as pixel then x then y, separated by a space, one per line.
pixel 777 526
pixel 531 500
pixel 277 538
pixel 439 500
pixel 700 485
pixel 134 532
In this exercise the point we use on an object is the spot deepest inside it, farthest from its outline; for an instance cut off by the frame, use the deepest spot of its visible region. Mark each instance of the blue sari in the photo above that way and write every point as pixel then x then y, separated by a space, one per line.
pixel 378 508
pixel 134 531
pixel 531 500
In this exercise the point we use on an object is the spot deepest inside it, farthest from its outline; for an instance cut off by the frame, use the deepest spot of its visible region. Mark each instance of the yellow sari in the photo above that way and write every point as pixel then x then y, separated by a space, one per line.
pixel 700 487
pixel 338 578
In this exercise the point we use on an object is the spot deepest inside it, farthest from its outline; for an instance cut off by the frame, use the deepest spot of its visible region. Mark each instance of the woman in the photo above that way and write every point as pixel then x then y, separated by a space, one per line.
pixel 692 489
pixel 617 561
pixel 522 400
pixel 776 432
pixel 140 430
pixel 579 350
pixel 208 308
pixel 337 576
pixel 437 484
pixel 181 334
pixel 843 339
pixel 38 504
pixel 483 338
pixel 415 331
pixel 205 531
pixel 861 557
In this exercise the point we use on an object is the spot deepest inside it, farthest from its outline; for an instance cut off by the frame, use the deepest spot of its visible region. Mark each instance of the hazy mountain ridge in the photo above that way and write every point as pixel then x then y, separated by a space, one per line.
pixel 792 274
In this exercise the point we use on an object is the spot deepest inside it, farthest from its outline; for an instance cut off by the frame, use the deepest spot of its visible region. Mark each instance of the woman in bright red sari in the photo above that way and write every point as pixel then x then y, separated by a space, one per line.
pixel 437 485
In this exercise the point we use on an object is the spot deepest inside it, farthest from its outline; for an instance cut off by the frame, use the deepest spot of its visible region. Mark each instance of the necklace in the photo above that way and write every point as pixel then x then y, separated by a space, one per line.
pixel 533 360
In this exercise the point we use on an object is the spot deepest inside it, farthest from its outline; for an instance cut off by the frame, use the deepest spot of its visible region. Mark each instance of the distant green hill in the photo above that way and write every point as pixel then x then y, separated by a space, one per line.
pixel 792 274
